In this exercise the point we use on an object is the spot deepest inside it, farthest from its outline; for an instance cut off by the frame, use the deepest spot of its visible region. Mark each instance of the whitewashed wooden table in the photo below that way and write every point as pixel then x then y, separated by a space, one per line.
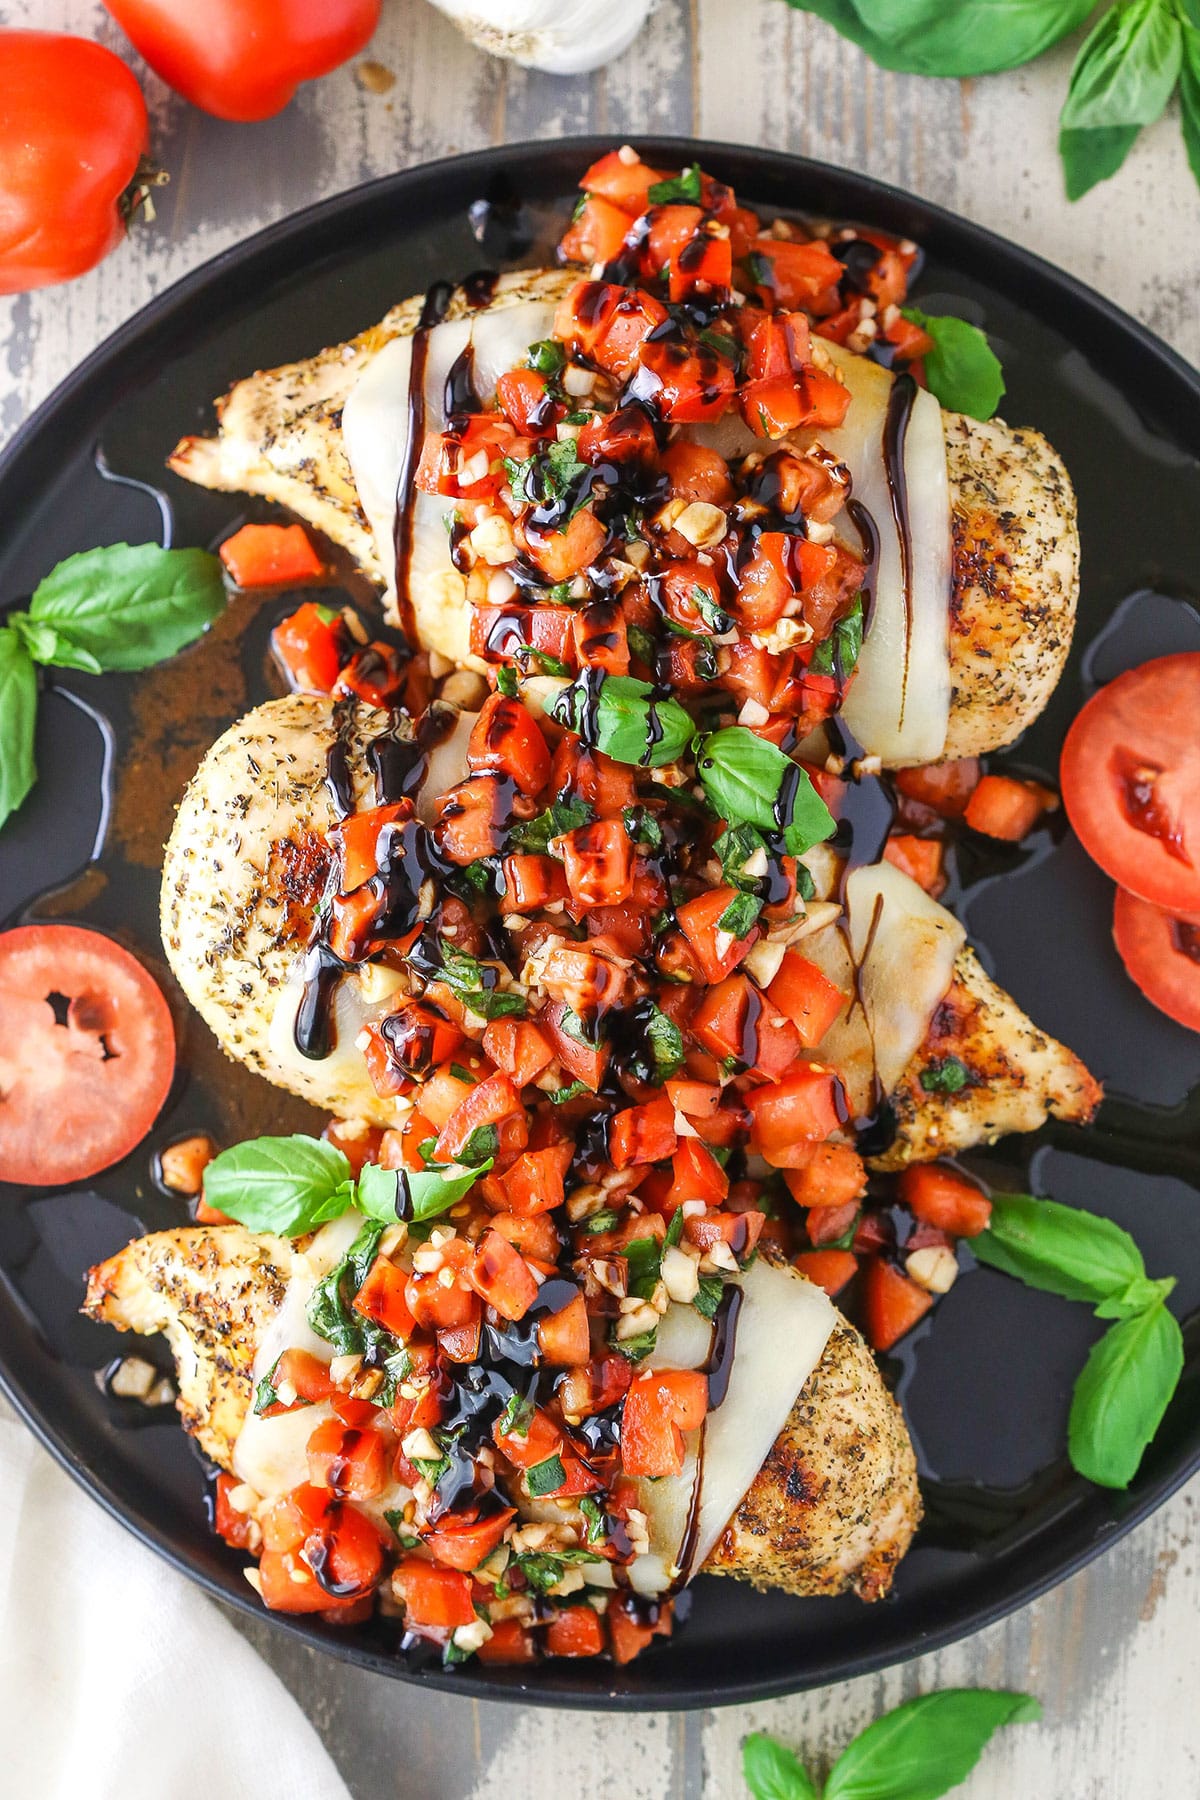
pixel 1114 1653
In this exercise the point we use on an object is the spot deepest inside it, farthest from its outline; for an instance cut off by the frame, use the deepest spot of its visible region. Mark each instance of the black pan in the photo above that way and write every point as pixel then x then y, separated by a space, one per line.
pixel 986 1386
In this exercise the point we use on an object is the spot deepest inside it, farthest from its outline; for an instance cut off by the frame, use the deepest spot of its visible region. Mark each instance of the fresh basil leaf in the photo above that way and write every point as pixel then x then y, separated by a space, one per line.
pixel 773 1772
pixel 962 369
pixel 532 837
pixel 684 187
pixel 1060 1249
pixel 46 645
pixel 1122 1394
pixel 433 1192
pixel 1189 94
pixel 1089 157
pixel 968 37
pixel 545 1477
pixel 1138 1297
pixel 280 1184
pixel 924 1748
pixel 130 605
pixel 624 718
pixel 947 1075
pixel 741 915
pixel 745 779
pixel 708 1297
pixel 18 716
pixel 1126 69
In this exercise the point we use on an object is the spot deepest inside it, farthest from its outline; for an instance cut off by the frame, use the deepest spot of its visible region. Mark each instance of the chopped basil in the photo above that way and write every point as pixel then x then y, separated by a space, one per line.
pixel 714 616
pixel 481 1146
pixel 604 1220
pixel 666 1043
pixel 642 826
pixel 473 983
pixel 575 1028
pixel 685 187
pixel 946 1076
pixel 674 1229
pixel 547 665
pixel 560 593
pixel 625 718
pixel 636 1348
pixel 644 1259
pixel 747 779
pixel 544 1569
pixel 761 269
pixel 399 1525
pixel 839 652
pixel 506 681
pixel 593 1512
pixel 471 879
pixel 532 837
pixel 740 915
pixel 546 479
pixel 330 1311
pixel 461 1074
pixel 545 1477
pixel 264 1393
pixel 707 1300
pixel 432 1471
pixel 642 644
pixel 517 1416
pixel 547 356
pixel 572 1091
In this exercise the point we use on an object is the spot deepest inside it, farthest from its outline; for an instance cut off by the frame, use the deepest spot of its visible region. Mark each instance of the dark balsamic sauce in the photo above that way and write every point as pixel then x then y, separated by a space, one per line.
pixel 895 433
pixel 460 398
pixel 433 311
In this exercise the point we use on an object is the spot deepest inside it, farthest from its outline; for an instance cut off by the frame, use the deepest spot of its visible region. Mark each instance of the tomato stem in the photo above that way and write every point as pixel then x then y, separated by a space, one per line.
pixel 137 196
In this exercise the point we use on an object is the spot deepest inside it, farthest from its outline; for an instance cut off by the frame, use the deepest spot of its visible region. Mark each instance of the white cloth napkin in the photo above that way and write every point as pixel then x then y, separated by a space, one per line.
pixel 119 1680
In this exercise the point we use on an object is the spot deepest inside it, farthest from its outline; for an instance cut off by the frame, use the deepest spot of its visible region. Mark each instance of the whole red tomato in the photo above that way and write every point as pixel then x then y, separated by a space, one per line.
pixel 244 59
pixel 73 129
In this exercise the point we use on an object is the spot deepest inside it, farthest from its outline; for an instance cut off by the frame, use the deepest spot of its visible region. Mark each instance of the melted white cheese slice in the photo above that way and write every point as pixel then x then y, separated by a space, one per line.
pixel 375 425
pixel 782 1330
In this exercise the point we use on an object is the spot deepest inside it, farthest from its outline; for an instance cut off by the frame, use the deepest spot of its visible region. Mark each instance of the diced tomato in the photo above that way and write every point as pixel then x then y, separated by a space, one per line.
pixel 765 581
pixel 589 775
pixel 695 1175
pixel 525 1450
pixel 688 249
pixel 642 1134
pixel 531 882
pixel 564 1337
pixel 595 1388
pixel 516 1046
pixel 630 322
pixel 505 740
pixel 918 858
pixel 1002 807
pixel 941 1197
pixel 777 345
pixel 502 1278
pixel 601 638
pixel 805 996
pixel 509 1643
pixel 827 1224
pixel 833 1176
pixel 474 818
pixel 534 1183
pixel 624 181
pixel 434 1596
pixel 335 1536
pixel 725 1020
pixel 911 342
pixel 381 1297
pixel 944 787
pixel 622 436
pixel 376 675
pixel 694 1099
pixel 437 1306
pixel 718 952
pixel 597 232
pixel 523 395
pixel 463 1542
pixel 309 645
pixel 353 922
pixel 687 384
pixel 228 1522
pixel 584 1062
pixel 563 554
pixel 598 860
pixel 460 1343
pixel 628 1635
pixel 272 556
pixel 659 1407
pixel 306 1374
pixel 696 473
pixel 828 1269
pixel 499 632
pixel 347 1460
pixel 584 313
pixel 739 1230
pixel 892 1304
pixel 357 839
pixel 575 1631
pixel 495 1104
pixel 799 275
pixel 787 1118
pixel 415 1039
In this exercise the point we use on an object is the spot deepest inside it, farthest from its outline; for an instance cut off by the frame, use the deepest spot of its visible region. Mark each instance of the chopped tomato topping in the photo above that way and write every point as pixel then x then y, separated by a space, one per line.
pixel 271 556
pixel 941 1197
pixel 659 1407
pixel 892 1303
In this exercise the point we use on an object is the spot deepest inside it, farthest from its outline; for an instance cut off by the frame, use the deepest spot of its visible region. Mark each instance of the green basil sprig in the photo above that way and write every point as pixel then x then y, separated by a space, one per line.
pixel 743 776
pixel 916 1752
pixel 1127 68
pixel 625 719
pixel 119 608
pixel 1132 1372
pixel 962 369
pixel 290 1185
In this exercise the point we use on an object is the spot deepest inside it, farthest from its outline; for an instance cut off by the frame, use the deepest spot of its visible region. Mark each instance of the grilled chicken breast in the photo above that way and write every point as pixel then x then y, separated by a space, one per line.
pixel 246 865
pixel 835 1506
pixel 1016 545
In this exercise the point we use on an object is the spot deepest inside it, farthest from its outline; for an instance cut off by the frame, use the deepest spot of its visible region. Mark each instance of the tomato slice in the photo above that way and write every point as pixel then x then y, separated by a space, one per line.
pixel 1162 955
pixel 87 1053
pixel 1131 782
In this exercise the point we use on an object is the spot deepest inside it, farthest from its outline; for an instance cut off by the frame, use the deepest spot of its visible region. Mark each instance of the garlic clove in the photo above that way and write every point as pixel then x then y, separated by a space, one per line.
pixel 561 37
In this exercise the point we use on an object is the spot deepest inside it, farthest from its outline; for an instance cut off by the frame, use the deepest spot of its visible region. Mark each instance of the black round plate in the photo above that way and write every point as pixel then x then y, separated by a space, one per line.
pixel 986 1388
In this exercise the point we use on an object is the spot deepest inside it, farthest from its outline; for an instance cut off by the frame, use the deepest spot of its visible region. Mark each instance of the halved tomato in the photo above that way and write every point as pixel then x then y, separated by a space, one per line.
pixel 87 1053
pixel 1162 955
pixel 1131 782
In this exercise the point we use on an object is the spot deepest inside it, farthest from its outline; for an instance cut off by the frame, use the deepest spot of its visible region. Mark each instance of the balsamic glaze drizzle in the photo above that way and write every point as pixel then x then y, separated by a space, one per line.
pixel 895 433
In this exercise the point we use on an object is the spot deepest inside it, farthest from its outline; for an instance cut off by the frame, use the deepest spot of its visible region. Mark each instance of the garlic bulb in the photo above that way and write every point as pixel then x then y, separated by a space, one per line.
pixel 563 37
